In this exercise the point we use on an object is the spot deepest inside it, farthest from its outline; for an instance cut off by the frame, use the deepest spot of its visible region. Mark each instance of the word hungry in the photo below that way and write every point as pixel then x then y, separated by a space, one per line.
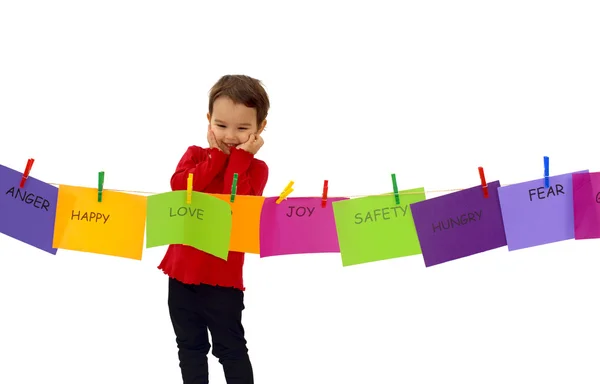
pixel 457 221
pixel 89 216
pixel 387 213
pixel 542 193
pixel 29 198
pixel 300 211
pixel 198 213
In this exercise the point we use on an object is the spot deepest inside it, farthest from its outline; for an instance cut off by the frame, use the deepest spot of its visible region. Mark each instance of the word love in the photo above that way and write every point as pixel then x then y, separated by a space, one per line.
pixel 542 193
pixel 198 213
pixel 387 213
pixel 29 198
pixel 457 221
pixel 89 216
pixel 300 211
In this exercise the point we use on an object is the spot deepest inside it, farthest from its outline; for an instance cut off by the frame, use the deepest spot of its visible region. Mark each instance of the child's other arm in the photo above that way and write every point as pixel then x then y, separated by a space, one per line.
pixel 205 164
pixel 252 176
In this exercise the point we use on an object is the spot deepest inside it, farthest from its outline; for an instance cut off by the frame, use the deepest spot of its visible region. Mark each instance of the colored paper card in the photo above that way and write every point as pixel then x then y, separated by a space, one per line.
pixel 245 221
pixel 298 225
pixel 374 228
pixel 534 215
pixel 459 224
pixel 27 214
pixel 113 227
pixel 205 224
pixel 586 205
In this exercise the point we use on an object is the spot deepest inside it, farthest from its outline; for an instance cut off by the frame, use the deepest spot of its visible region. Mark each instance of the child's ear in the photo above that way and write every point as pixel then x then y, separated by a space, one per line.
pixel 208 116
pixel 261 128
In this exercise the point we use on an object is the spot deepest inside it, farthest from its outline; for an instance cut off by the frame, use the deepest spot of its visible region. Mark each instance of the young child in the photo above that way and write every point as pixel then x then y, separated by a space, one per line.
pixel 206 292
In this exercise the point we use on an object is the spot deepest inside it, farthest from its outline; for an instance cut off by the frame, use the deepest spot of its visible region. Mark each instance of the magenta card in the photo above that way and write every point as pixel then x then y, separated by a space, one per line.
pixel 298 225
pixel 586 205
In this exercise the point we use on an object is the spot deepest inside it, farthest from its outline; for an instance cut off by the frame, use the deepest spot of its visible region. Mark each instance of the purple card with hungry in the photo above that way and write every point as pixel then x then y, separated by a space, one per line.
pixel 535 215
pixel 459 224
pixel 586 205
pixel 298 225
pixel 27 214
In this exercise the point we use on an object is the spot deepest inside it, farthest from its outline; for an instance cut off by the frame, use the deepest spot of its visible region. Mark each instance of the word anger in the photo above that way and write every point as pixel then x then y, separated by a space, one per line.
pixel 89 216
pixel 300 211
pixel 198 213
pixel 457 221
pixel 542 193
pixel 29 198
pixel 381 213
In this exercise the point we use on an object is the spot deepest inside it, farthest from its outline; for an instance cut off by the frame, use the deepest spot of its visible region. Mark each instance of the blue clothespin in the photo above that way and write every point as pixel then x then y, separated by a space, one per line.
pixel 546 171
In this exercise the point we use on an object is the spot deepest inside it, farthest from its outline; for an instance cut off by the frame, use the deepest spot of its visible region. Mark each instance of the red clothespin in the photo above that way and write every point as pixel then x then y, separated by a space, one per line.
pixel 325 188
pixel 26 173
pixel 484 185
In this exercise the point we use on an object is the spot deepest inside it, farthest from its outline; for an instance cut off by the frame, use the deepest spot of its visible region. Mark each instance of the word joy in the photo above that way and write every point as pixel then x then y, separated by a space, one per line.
pixel 300 211
pixel 89 216
pixel 542 193
pixel 29 198
pixel 198 213
pixel 387 213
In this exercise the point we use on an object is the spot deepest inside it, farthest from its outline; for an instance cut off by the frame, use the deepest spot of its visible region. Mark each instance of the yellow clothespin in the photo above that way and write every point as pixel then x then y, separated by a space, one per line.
pixel 190 187
pixel 285 193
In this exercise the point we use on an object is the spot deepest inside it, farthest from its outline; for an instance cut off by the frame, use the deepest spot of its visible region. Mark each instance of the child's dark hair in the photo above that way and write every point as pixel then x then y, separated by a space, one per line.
pixel 244 90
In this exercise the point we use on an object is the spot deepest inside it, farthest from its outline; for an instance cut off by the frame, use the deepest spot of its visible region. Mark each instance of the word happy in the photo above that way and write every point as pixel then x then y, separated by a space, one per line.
pixel 89 216
pixel 387 213
pixel 300 211
pixel 457 221
pixel 542 193
pixel 198 213
pixel 29 198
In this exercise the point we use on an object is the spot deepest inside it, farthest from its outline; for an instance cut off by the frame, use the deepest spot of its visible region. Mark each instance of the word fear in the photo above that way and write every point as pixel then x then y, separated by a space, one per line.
pixel 300 211
pixel 542 193
pixel 457 221
pixel 387 213
pixel 29 198
pixel 89 216
pixel 198 213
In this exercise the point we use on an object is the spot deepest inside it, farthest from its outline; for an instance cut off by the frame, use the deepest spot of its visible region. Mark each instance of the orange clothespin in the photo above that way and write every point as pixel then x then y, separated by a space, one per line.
pixel 325 188
pixel 484 185
pixel 26 173
pixel 285 193
pixel 190 187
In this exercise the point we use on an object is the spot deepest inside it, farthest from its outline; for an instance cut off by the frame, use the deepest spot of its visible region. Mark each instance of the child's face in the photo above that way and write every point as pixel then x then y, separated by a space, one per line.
pixel 232 123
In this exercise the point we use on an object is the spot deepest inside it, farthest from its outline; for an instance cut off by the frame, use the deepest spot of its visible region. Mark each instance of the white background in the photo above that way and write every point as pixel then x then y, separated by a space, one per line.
pixel 429 90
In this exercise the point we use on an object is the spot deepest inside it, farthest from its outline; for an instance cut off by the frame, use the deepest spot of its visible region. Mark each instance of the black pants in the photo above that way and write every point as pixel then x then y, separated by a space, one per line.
pixel 196 309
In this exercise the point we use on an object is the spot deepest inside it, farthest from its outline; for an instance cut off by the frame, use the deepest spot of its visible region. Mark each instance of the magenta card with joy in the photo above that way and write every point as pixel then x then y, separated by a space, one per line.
pixel 298 225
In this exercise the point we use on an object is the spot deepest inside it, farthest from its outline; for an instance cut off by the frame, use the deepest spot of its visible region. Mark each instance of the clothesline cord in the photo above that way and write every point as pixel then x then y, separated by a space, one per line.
pixel 349 196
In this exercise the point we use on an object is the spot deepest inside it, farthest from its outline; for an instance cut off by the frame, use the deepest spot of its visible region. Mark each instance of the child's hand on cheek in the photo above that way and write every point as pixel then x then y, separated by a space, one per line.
pixel 213 143
pixel 254 143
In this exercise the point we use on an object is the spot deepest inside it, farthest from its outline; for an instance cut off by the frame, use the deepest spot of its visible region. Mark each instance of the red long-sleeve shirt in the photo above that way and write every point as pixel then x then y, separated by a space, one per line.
pixel 213 173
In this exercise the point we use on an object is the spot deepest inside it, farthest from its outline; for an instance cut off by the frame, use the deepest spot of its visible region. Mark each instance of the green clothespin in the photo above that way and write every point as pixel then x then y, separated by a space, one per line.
pixel 100 185
pixel 234 187
pixel 395 189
